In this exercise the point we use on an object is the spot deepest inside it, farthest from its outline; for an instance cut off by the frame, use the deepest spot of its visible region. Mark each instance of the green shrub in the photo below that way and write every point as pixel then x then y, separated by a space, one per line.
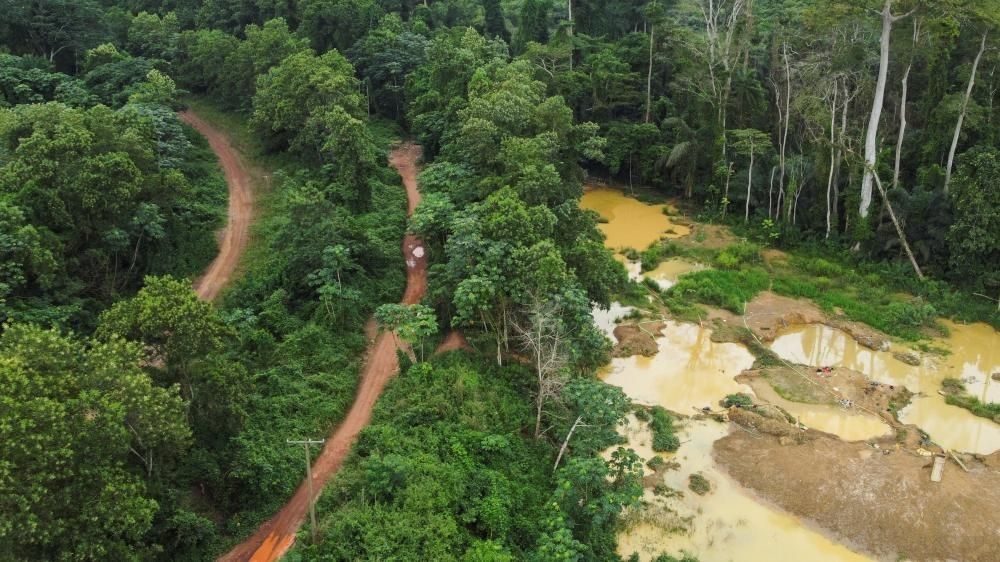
pixel 952 385
pixel 723 288
pixel 668 558
pixel 911 314
pixel 652 256
pixel 661 423
pixel 699 484
pixel 818 267
pixel 739 399
pixel 738 255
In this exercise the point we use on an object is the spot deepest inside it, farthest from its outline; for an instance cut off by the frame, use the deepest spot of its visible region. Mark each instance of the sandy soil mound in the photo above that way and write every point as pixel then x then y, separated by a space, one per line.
pixel 637 339
pixel 883 502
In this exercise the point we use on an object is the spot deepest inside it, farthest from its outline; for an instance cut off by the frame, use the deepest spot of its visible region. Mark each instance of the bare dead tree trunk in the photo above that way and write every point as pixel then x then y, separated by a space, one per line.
pixel 746 215
pixel 899 228
pixel 544 337
pixel 902 128
pixel 562 450
pixel 871 137
pixel 725 196
pixel 961 114
pixel 833 152
pixel 569 13
pixel 770 193
pixel 902 108
pixel 782 157
pixel 840 153
pixel 649 74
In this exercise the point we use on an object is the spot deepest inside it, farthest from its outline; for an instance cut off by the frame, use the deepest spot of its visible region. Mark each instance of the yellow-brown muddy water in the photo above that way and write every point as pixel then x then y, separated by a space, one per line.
pixel 631 223
pixel 606 320
pixel 667 273
pixel 690 370
pixel 849 425
pixel 726 525
pixel 975 355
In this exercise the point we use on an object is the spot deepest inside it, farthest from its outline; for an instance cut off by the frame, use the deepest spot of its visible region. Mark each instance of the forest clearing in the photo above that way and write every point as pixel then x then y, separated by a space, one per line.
pixel 499 280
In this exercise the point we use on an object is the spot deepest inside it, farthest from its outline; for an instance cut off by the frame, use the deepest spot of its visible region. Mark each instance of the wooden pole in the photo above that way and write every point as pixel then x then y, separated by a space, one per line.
pixel 309 482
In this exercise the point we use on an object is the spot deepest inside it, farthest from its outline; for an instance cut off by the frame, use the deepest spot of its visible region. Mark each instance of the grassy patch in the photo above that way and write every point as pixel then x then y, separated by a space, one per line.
pixel 793 387
pixel 956 395
pixel 661 423
pixel 699 484
pixel 728 289
pixel 739 399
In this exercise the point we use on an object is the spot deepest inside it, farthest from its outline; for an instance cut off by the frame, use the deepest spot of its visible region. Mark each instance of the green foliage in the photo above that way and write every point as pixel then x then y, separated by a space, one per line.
pixel 107 194
pixel 738 255
pixel 739 399
pixel 412 323
pixel 169 320
pixel 82 430
pixel 956 395
pixel 444 471
pixel 974 237
pixel 668 558
pixel 661 423
pixel 699 484
pixel 723 288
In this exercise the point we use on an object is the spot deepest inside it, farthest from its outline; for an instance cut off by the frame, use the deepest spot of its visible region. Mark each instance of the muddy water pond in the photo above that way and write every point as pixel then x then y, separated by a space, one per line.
pixel 729 523
pixel 630 222
pixel 689 371
pixel 974 356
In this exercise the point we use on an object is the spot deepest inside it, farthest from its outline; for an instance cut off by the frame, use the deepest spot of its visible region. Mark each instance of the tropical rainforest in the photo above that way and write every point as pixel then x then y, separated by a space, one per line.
pixel 138 422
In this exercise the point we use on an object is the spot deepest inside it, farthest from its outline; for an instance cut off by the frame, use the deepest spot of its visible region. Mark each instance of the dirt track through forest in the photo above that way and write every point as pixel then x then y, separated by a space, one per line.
pixel 236 233
pixel 276 535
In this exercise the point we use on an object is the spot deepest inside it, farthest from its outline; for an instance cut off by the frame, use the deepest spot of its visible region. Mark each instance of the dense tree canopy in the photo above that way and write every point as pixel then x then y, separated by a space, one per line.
pixel 157 429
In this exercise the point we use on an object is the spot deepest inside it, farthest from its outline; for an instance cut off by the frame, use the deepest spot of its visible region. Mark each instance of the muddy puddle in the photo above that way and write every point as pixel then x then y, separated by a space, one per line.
pixel 727 524
pixel 975 355
pixel 630 222
pixel 668 272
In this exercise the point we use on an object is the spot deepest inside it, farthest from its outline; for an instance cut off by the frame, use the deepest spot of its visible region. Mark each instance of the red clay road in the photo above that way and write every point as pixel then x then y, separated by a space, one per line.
pixel 236 234
pixel 276 535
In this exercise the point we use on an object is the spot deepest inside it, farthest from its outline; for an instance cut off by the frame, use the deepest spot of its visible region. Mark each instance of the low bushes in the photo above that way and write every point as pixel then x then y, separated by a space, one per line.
pixel 661 423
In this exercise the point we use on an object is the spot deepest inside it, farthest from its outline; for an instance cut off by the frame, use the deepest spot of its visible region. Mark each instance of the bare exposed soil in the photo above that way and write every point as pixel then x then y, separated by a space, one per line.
pixel 769 313
pixel 830 387
pixel 276 535
pixel 879 499
pixel 236 234
pixel 453 341
pixel 637 339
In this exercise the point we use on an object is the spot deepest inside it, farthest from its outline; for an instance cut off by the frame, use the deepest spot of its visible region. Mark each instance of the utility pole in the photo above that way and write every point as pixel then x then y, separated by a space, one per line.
pixel 309 481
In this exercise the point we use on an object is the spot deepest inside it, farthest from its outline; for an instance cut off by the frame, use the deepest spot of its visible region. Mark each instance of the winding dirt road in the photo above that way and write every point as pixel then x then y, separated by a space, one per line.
pixel 236 233
pixel 276 535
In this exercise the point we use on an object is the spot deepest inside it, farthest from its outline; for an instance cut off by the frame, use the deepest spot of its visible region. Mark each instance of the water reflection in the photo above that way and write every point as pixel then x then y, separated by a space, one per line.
pixel 974 356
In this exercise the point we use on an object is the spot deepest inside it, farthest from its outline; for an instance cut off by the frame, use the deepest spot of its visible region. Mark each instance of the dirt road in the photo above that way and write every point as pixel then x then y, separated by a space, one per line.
pixel 276 535
pixel 236 234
